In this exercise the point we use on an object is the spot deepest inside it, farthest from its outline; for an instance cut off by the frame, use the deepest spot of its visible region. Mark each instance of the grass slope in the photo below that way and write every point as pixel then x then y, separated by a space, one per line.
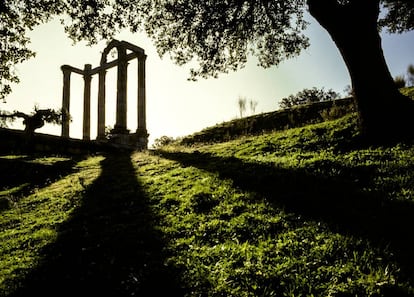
pixel 282 119
pixel 303 212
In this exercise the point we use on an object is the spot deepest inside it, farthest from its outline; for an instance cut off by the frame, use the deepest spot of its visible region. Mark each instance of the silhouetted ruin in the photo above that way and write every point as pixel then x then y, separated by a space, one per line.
pixel 120 135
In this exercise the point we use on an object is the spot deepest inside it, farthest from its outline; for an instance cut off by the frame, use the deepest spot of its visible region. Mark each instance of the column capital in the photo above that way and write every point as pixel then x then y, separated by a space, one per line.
pixel 142 57
pixel 102 71
pixel 87 76
pixel 66 68
pixel 87 69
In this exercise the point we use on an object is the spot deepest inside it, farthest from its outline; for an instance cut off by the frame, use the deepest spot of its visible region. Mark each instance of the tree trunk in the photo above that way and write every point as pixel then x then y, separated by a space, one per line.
pixel 384 113
pixel 32 123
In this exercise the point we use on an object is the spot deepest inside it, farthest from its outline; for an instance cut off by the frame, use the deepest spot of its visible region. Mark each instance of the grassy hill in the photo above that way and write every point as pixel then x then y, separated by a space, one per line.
pixel 309 211
pixel 297 116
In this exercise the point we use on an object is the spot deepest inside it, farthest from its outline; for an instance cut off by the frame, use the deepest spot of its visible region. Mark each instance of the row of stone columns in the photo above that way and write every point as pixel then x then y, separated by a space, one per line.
pixel 120 127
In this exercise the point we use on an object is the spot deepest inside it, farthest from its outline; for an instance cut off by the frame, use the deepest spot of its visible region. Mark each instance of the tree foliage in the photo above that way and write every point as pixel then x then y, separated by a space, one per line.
pixel 410 74
pixel 400 81
pixel 215 36
pixel 162 141
pixel 241 103
pixel 36 119
pixel 219 35
pixel 253 104
pixel 308 96
pixel 399 17
pixel 90 20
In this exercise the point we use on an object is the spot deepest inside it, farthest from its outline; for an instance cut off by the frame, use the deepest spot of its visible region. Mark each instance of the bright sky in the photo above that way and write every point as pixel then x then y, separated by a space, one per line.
pixel 175 106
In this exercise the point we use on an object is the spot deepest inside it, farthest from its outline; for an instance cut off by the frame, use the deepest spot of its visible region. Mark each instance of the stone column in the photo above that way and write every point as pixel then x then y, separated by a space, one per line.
pixel 121 96
pixel 141 112
pixel 66 101
pixel 101 104
pixel 87 102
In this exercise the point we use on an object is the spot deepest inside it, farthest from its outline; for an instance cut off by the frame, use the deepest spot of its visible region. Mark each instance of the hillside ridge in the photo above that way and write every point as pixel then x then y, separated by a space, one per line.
pixel 309 211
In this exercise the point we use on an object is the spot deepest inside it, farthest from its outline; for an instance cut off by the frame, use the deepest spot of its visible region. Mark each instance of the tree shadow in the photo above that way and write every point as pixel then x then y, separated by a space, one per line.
pixel 109 247
pixel 339 202
pixel 24 175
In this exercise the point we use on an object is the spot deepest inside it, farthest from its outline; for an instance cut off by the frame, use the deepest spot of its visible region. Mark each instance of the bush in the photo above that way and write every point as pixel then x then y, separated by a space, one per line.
pixel 162 141
pixel 337 111
pixel 308 96
pixel 400 81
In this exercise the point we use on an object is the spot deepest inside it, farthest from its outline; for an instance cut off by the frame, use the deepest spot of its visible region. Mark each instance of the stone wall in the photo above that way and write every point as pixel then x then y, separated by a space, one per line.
pixel 16 142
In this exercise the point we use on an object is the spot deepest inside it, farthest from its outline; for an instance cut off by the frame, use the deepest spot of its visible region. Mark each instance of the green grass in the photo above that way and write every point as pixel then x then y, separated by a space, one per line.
pixel 31 222
pixel 409 91
pixel 311 211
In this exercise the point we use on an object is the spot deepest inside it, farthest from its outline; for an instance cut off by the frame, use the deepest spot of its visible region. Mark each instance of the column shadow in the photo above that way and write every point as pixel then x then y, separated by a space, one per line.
pixel 26 175
pixel 109 247
pixel 341 203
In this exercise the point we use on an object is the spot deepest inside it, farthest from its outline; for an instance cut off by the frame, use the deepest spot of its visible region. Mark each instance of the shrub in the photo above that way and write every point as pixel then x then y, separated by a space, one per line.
pixel 308 96
pixel 162 141
pixel 400 81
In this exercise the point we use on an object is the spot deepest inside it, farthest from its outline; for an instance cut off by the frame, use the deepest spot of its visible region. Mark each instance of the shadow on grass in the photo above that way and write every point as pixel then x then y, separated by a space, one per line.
pixel 25 175
pixel 340 202
pixel 109 247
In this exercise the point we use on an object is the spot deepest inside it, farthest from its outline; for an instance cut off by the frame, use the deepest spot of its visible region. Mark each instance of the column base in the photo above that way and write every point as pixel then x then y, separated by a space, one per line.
pixel 121 140
pixel 141 138
pixel 101 138
pixel 119 130
pixel 138 141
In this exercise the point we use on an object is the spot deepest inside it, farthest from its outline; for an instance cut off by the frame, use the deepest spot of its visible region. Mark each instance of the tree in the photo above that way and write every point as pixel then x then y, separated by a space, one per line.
pixel 219 35
pixel 241 102
pixel 88 20
pixel 384 112
pixel 410 74
pixel 348 91
pixel 253 105
pixel 400 81
pixel 162 141
pixel 308 96
pixel 36 119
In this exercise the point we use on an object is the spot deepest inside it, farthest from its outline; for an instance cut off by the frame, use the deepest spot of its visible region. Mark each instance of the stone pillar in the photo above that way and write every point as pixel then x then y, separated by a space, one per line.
pixel 142 133
pixel 121 98
pixel 101 104
pixel 66 101
pixel 87 102
pixel 141 112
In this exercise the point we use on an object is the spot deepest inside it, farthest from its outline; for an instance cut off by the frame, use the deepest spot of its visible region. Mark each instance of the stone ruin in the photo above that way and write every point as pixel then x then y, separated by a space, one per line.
pixel 119 135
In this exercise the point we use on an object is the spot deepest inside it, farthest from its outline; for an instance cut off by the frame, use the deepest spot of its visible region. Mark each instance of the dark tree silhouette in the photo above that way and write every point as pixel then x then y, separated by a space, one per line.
pixel 220 34
pixel 353 26
pixel 87 20
pixel 35 120
pixel 410 74
pixel 308 96
pixel 241 102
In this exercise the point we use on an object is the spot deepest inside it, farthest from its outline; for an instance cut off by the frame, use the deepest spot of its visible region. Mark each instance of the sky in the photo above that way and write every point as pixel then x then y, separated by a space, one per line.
pixel 175 106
